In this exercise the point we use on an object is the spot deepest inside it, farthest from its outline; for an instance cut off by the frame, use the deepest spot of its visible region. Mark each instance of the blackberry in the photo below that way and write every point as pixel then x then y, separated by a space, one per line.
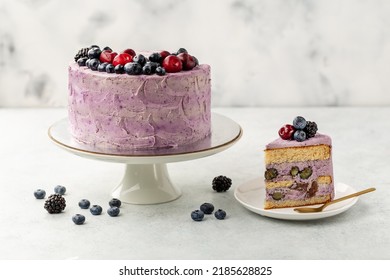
pixel 81 54
pixel 221 183
pixel 310 129
pixel 55 203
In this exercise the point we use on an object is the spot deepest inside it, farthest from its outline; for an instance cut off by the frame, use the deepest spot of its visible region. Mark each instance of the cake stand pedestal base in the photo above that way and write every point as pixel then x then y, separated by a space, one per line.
pixel 146 184
pixel 146 179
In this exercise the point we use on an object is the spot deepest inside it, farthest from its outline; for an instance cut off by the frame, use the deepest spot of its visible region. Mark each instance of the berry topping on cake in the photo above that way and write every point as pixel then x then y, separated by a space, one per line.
pixel 207 208
pixel 300 130
pixel 187 60
pixel 119 69
pixel 221 183
pixel 94 52
pixel 107 56
pixel 220 214
pixel 122 59
pixel 172 64
pixel 82 53
pixel 299 122
pixel 310 129
pixel 140 59
pixel 197 215
pixel 286 132
pixel 164 54
pixel 133 68
pixel 299 135
pixel 130 52
pixel 55 203
pixel 159 63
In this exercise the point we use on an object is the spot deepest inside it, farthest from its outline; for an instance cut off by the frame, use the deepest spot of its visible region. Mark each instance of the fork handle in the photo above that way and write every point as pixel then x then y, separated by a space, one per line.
pixel 351 195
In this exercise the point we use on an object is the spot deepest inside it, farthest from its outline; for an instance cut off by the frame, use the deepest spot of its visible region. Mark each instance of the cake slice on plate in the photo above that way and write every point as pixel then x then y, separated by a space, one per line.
pixel 299 169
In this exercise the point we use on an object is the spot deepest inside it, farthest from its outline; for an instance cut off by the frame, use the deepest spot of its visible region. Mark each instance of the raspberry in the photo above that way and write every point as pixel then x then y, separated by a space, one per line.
pixel 221 183
pixel 55 203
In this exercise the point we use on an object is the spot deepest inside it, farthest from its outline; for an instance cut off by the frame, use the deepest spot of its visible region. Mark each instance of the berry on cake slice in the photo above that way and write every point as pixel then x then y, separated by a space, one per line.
pixel 140 59
pixel 299 122
pixel 164 54
pixel 286 132
pixel 172 64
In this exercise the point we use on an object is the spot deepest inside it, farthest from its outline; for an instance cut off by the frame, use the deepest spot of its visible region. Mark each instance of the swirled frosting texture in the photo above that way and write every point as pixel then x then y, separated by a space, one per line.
pixel 119 111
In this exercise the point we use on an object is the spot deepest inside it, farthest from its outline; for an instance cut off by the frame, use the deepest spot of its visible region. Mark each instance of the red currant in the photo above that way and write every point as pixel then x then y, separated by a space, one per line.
pixel 122 59
pixel 286 132
pixel 172 64
pixel 164 54
pixel 130 52
pixel 187 61
pixel 107 56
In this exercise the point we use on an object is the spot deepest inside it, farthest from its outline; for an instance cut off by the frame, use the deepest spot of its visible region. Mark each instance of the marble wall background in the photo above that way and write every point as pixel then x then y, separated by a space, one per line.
pixel 262 52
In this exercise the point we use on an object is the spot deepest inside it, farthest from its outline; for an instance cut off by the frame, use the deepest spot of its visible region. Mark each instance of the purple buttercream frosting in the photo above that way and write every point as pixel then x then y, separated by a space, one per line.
pixel 318 139
pixel 139 112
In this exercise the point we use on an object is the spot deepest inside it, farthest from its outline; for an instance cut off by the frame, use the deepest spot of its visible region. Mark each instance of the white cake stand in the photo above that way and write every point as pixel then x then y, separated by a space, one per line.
pixel 146 179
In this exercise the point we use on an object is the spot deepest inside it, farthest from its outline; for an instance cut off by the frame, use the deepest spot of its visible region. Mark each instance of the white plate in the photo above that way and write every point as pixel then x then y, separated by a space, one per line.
pixel 252 194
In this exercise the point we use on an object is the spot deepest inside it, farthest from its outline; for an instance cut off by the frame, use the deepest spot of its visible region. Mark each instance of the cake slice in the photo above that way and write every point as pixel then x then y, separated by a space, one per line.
pixel 299 169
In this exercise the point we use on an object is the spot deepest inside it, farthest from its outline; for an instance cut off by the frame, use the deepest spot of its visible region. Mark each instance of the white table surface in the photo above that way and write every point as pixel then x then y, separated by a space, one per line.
pixel 29 160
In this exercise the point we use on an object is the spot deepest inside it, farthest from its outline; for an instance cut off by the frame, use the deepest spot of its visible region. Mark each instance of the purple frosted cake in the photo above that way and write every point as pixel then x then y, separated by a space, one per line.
pixel 138 101
pixel 299 169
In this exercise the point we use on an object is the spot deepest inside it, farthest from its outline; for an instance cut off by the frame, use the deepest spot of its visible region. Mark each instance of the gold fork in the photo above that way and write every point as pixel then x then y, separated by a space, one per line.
pixel 319 209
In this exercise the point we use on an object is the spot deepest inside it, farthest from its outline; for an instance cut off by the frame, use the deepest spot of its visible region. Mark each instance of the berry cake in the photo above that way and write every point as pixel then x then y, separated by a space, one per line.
pixel 138 101
pixel 299 169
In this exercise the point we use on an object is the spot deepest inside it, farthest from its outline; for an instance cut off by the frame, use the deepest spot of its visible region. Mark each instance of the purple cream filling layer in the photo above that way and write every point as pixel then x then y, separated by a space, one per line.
pixel 295 194
pixel 319 168
pixel 139 112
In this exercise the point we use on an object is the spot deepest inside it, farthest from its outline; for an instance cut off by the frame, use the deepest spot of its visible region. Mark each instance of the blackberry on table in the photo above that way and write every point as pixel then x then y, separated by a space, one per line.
pixel 221 183
pixel 55 203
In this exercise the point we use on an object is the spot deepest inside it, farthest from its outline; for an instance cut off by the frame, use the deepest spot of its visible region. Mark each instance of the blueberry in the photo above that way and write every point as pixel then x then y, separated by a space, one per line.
pixel 94 64
pixel 110 68
pixel 60 189
pixel 107 49
pixel 78 219
pixel 115 202
pixel 133 68
pixel 299 135
pixel 119 69
pixel 182 50
pixel 140 59
pixel 155 57
pixel 196 60
pixel 299 122
pixel 39 194
pixel 84 204
pixel 147 69
pixel 220 214
pixel 102 67
pixel 160 71
pixel 113 211
pixel 207 208
pixel 197 215
pixel 82 61
pixel 88 63
pixel 94 53
pixel 96 210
